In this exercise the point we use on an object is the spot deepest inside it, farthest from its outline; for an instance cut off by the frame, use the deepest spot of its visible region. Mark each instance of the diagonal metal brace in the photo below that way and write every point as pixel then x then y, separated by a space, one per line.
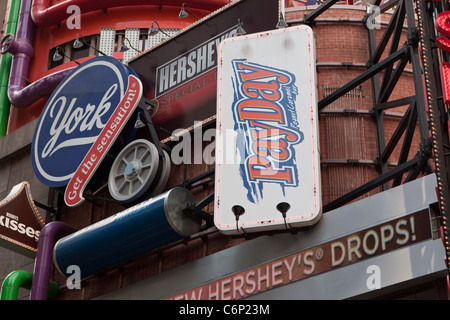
pixel 196 209
pixel 400 169
pixel 151 128
pixel 309 18
pixel 363 77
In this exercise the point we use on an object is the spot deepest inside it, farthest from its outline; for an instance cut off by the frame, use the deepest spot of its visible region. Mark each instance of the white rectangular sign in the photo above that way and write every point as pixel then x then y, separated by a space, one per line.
pixel 267 155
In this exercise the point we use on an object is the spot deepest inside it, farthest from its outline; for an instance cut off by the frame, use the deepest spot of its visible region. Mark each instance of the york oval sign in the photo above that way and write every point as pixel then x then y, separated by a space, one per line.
pixel 75 115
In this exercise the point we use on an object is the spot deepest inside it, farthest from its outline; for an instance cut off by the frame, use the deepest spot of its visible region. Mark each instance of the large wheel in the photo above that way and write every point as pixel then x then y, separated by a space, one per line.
pixel 133 171
pixel 164 175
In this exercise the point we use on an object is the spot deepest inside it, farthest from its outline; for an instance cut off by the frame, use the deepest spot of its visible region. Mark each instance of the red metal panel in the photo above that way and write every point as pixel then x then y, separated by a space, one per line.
pixel 445 80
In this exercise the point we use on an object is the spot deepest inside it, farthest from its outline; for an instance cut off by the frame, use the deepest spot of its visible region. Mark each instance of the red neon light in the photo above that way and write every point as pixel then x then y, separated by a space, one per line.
pixel 445 81
pixel 442 25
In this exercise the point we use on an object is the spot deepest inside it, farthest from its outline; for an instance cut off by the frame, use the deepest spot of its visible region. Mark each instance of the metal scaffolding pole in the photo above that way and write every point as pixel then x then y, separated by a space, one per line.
pixel 438 119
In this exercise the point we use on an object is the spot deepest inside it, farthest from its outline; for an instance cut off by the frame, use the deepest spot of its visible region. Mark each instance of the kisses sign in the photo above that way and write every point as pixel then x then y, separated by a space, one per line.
pixel 80 122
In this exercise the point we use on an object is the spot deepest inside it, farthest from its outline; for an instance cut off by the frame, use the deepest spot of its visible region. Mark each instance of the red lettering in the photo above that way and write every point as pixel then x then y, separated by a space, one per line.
pixel 267 90
pixel 258 73
pixel 261 168
pixel 274 148
pixel 271 131
pixel 257 109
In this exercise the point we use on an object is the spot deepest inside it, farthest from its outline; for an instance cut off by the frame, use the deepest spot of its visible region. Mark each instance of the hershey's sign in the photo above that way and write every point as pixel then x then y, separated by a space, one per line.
pixel 353 248
pixel 181 73
pixel 189 65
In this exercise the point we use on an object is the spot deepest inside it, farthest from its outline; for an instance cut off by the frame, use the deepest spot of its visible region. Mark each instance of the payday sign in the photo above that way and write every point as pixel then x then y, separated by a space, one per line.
pixel 267 174
pixel 80 122
pixel 20 221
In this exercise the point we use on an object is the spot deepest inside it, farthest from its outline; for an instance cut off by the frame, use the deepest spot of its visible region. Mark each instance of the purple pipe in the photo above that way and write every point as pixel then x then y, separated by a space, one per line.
pixel 50 233
pixel 20 94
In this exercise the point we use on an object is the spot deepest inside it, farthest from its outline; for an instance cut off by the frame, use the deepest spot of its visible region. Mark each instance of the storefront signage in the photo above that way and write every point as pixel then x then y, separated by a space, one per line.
pixel 264 112
pixel 80 122
pixel 267 98
pixel 20 221
pixel 349 249
pixel 74 190
pixel 181 73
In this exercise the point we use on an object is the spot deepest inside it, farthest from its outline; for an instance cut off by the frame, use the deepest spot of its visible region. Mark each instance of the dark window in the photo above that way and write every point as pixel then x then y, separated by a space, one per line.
pixel 54 63
pixel 68 52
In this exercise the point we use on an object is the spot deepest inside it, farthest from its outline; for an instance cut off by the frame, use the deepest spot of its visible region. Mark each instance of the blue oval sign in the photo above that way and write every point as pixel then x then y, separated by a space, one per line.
pixel 74 116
